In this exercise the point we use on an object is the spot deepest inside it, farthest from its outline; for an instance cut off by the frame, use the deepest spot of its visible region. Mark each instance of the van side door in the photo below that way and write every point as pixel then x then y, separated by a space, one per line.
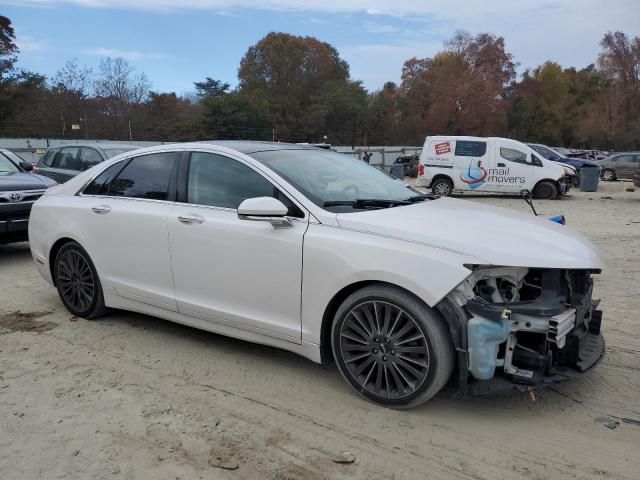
pixel 472 165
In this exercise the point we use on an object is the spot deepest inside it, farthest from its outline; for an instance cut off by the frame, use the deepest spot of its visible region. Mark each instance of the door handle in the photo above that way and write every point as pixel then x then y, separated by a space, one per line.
pixel 101 209
pixel 501 164
pixel 190 219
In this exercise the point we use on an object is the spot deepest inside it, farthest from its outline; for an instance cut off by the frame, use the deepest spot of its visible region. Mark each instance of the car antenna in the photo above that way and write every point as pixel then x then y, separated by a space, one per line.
pixel 527 196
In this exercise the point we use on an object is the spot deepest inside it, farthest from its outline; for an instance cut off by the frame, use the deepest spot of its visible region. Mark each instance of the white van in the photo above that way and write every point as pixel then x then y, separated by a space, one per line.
pixel 497 165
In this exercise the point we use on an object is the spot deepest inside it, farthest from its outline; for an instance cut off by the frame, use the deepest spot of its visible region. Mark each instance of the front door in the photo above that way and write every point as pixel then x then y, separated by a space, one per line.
pixel 237 272
pixel 512 170
pixel 124 227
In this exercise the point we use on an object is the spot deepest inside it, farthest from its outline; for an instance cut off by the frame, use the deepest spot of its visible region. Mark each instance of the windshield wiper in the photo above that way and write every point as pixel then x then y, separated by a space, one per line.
pixel 421 198
pixel 366 203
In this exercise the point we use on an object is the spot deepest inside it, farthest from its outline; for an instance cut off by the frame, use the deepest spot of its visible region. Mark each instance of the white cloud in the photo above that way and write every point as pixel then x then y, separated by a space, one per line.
pixel 131 55
pixel 377 64
pixel 566 31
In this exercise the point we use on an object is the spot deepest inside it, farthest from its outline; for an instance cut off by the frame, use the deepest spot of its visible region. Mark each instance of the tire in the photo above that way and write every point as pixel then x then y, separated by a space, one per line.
pixel 546 191
pixel 442 187
pixel 77 282
pixel 608 175
pixel 371 360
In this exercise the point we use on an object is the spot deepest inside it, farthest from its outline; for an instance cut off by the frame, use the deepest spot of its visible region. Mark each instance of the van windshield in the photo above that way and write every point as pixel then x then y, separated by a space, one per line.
pixel 332 180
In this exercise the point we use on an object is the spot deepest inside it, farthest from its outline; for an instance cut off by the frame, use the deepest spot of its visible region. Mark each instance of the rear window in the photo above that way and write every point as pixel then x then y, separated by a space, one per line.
pixel 467 148
pixel 145 177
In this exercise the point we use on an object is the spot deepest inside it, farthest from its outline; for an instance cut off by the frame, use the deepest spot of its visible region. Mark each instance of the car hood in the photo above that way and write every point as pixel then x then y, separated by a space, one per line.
pixel 499 236
pixel 18 181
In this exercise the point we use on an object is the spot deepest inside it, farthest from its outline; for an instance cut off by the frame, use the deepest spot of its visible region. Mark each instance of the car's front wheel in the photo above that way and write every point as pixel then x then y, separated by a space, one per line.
pixel 77 282
pixel 391 347
pixel 608 175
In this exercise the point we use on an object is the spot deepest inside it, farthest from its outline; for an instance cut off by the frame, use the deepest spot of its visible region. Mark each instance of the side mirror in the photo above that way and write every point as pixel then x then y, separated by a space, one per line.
pixel 264 209
pixel 26 166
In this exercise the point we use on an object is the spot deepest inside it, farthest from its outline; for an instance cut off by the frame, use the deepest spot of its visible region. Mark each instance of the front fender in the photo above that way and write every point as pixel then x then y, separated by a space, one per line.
pixel 335 258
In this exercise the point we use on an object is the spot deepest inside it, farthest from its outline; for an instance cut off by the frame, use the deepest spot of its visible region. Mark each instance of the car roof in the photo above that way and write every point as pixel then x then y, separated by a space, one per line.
pixel 100 145
pixel 249 146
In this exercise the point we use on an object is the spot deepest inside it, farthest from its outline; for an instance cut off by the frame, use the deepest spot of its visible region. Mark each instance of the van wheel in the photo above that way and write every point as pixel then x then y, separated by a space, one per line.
pixel 546 191
pixel 442 187
pixel 390 347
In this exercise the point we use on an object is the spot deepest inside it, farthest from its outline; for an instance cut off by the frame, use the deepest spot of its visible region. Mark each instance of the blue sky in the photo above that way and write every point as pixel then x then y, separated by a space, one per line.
pixel 176 46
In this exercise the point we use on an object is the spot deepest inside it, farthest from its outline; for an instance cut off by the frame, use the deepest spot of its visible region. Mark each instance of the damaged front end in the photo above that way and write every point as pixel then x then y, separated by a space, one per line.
pixel 517 327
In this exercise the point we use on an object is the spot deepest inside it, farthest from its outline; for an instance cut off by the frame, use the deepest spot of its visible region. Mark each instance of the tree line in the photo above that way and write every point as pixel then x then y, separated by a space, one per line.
pixel 298 89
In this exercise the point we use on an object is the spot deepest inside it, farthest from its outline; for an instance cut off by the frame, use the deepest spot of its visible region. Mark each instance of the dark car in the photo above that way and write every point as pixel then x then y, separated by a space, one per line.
pixel 65 162
pixel 555 156
pixel 410 163
pixel 18 190
pixel 620 165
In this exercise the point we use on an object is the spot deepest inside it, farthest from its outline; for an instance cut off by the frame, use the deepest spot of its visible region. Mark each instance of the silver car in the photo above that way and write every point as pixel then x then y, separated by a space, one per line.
pixel 620 165
pixel 66 161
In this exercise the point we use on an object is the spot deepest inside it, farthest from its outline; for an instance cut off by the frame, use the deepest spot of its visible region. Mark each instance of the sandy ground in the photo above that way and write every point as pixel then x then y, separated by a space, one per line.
pixel 135 397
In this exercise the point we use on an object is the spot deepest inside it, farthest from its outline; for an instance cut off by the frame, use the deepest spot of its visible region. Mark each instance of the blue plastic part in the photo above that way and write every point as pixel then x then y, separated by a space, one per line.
pixel 485 337
pixel 558 219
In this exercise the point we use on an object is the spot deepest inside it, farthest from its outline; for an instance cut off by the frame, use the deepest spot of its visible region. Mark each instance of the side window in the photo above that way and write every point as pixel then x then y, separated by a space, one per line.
pixel 89 157
pixel 48 158
pixel 513 155
pixel 100 184
pixel 145 177
pixel 219 181
pixel 466 148
pixel 67 159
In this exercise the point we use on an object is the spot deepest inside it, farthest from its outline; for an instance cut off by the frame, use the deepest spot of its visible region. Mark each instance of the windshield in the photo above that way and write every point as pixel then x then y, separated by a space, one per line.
pixel 112 152
pixel 7 166
pixel 329 177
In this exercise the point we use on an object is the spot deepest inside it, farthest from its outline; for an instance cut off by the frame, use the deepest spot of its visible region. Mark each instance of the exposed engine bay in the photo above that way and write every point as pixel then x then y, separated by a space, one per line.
pixel 527 325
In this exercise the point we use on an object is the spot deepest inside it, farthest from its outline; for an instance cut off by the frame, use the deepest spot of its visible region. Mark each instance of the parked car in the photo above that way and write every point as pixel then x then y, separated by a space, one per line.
pixel 410 163
pixel 498 165
pixel 66 161
pixel 555 156
pixel 18 190
pixel 620 165
pixel 405 291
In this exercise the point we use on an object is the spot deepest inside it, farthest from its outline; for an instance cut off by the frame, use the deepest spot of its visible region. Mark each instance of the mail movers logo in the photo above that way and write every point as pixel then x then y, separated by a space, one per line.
pixel 476 176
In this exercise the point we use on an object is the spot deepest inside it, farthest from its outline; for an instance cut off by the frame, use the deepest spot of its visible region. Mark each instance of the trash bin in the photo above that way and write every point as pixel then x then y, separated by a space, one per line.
pixel 397 171
pixel 589 177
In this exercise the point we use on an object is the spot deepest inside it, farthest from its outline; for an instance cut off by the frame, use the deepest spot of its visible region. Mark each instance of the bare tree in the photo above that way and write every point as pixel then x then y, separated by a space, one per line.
pixel 119 92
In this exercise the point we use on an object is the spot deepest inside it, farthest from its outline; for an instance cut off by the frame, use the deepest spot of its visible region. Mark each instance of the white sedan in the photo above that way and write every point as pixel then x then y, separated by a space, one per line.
pixel 321 254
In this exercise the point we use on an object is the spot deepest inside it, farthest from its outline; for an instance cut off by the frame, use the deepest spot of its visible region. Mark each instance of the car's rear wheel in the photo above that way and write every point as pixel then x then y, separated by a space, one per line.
pixel 546 191
pixel 442 187
pixel 391 347
pixel 608 175
pixel 77 282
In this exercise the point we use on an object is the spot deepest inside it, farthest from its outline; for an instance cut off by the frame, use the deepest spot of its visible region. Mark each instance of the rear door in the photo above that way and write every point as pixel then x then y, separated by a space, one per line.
pixel 471 165
pixel 124 227
pixel 66 164
pixel 626 165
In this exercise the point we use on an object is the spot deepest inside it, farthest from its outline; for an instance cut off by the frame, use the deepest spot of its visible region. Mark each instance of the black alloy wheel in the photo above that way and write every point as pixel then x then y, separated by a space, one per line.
pixel 77 282
pixel 391 348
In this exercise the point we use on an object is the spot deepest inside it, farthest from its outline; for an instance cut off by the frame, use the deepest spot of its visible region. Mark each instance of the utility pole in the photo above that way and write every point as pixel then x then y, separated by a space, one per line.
pixel 130 136
pixel 273 134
